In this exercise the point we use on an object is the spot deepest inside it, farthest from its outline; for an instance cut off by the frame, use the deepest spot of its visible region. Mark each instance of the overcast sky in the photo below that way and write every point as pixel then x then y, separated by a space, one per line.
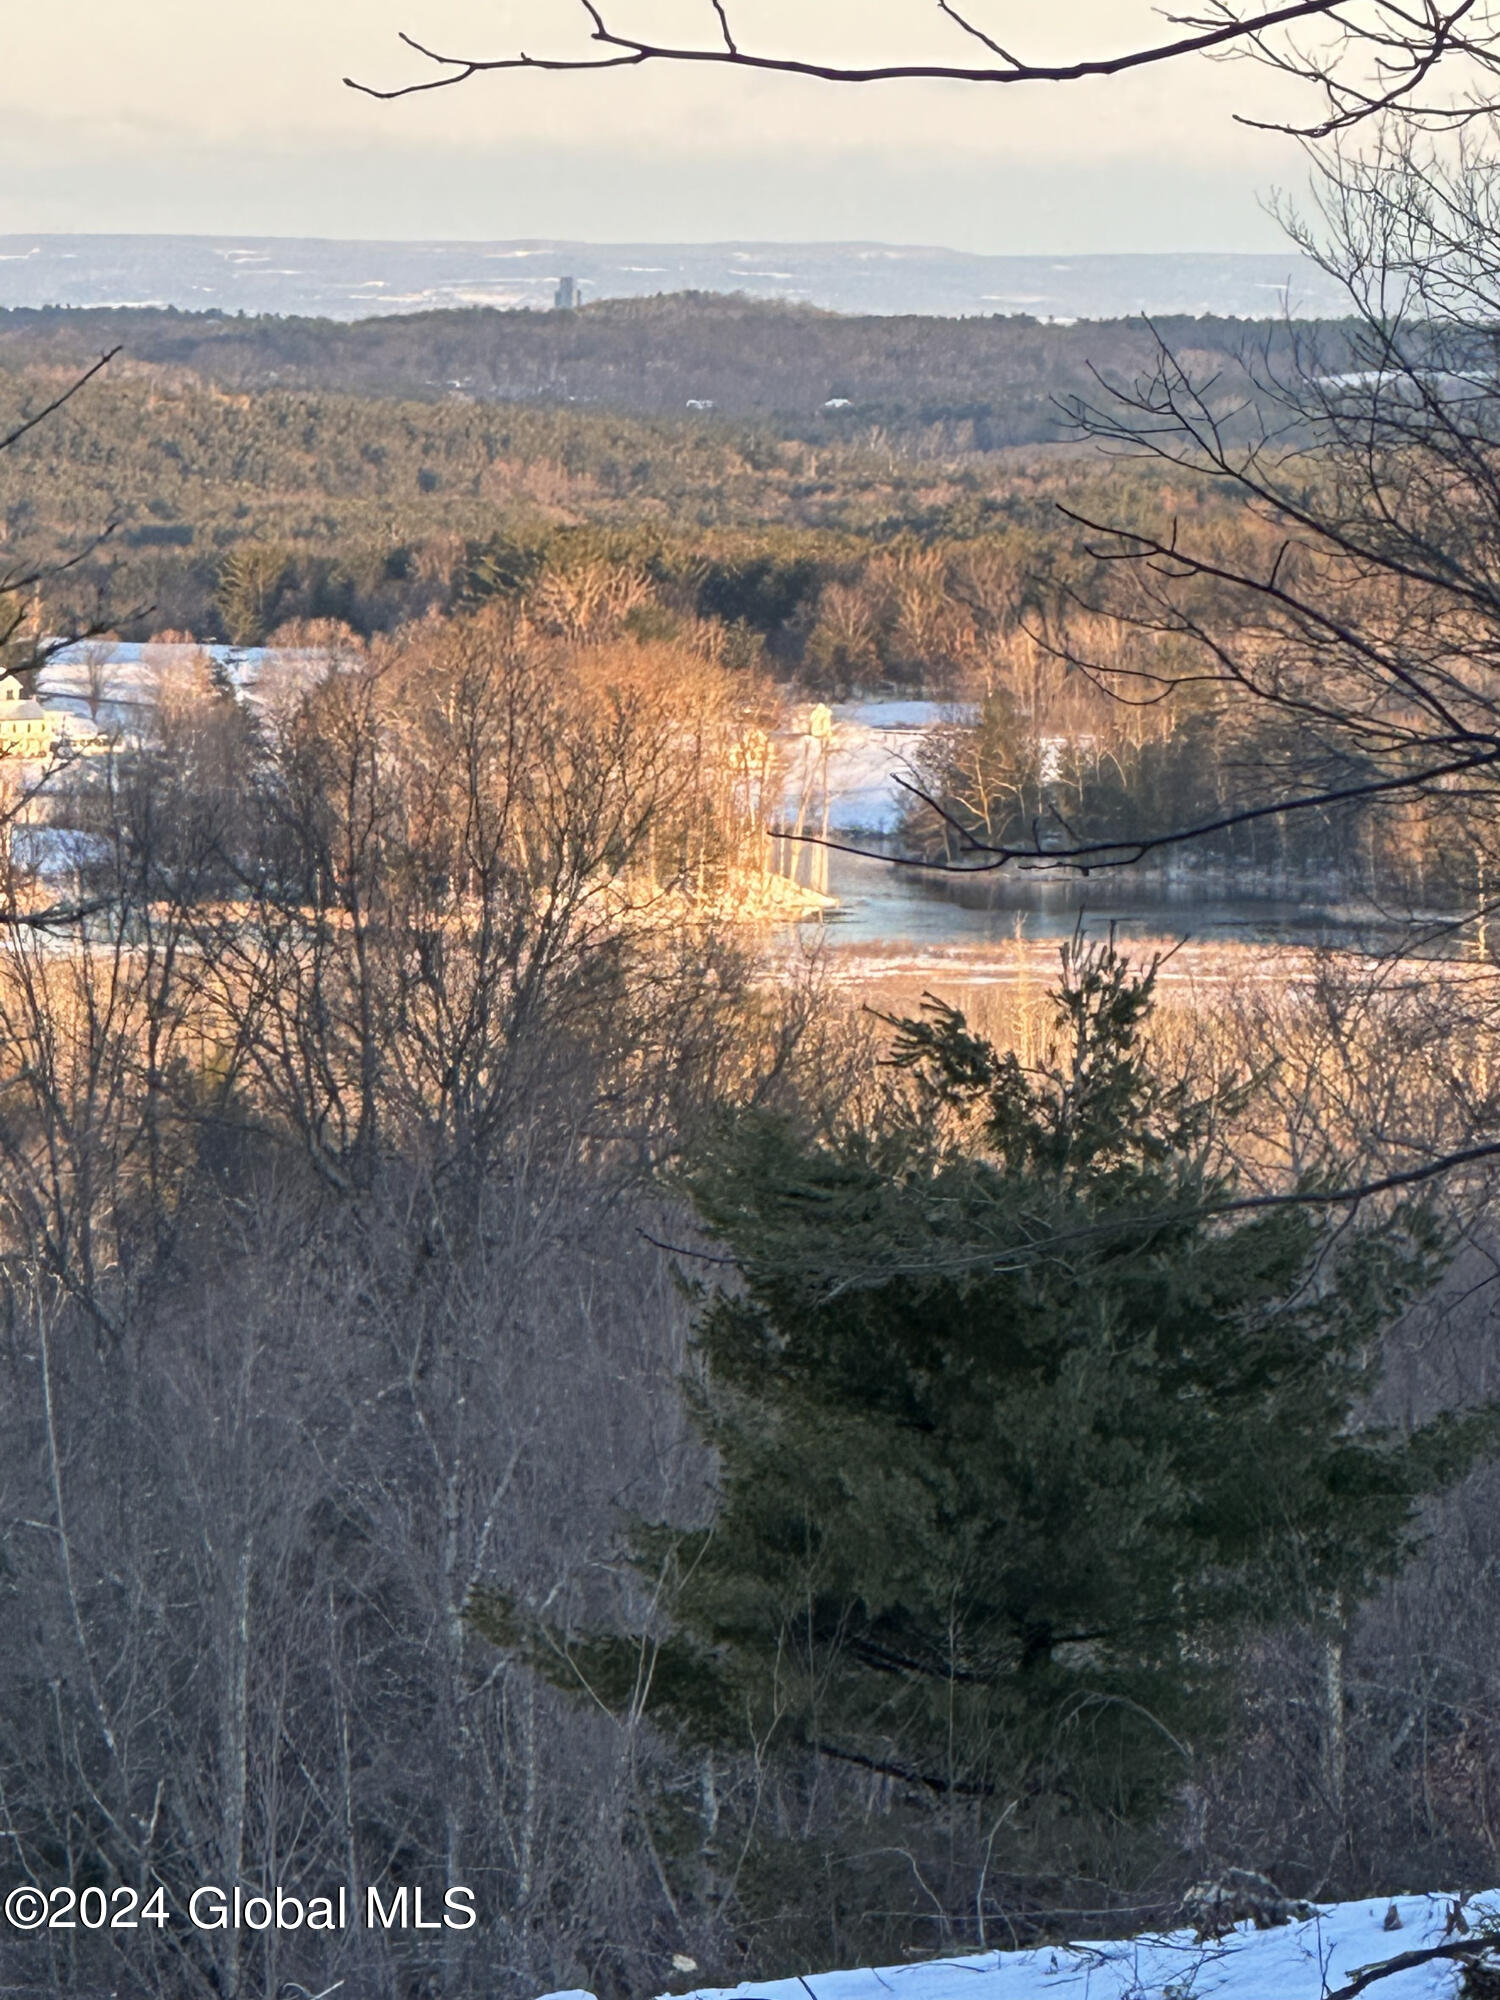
pixel 194 115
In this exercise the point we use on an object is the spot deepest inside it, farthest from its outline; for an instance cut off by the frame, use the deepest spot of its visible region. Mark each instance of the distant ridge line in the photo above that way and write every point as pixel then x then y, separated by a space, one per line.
pixel 346 279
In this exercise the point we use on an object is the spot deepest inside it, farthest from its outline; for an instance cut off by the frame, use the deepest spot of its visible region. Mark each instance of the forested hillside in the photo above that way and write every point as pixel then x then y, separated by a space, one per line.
pixel 838 567
pixel 933 384
pixel 233 513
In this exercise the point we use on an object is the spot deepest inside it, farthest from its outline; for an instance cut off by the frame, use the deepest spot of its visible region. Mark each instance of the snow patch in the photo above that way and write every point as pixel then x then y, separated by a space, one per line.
pixel 1300 1961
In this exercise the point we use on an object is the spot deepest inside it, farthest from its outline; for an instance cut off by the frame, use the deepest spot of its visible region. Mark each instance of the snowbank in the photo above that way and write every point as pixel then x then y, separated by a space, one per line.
pixel 1299 1961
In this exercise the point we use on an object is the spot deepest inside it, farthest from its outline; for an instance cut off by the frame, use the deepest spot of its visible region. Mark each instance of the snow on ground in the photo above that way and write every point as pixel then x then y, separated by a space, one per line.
pixel 126 676
pixel 873 743
pixel 1293 1962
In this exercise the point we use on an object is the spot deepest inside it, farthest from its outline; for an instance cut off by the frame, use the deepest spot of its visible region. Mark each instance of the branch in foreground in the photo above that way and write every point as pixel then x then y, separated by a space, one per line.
pixel 1125 853
pixel 41 416
pixel 1367 1975
pixel 57 916
pixel 1381 57
pixel 1214 35
pixel 1047 1244
pixel 15 582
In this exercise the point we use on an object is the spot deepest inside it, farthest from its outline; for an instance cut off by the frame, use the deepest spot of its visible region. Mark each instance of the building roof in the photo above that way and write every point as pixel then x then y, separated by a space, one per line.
pixel 15 705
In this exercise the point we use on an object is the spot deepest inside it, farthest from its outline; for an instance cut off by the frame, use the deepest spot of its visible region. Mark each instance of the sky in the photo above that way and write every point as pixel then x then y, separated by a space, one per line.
pixel 193 116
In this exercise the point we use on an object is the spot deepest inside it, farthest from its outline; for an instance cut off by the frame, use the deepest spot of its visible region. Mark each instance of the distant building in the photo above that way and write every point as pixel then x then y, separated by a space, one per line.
pixel 29 731
pixel 72 736
pixel 25 726
pixel 569 295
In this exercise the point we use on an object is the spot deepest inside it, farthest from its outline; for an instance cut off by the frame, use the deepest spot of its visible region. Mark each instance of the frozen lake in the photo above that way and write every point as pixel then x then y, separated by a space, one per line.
pixel 873 745
pixel 879 905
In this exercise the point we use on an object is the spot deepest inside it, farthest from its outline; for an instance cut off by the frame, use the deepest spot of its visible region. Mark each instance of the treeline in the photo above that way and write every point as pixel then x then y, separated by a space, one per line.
pixel 928 384
pixel 1054 757
pixel 235 514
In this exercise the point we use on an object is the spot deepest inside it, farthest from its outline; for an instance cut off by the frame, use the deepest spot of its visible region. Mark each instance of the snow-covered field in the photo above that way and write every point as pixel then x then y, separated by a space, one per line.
pixel 1301 1961
pixel 125 676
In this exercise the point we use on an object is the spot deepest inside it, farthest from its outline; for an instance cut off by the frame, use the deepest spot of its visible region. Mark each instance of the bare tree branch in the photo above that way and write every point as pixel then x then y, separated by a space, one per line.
pixel 1367 1975
pixel 1373 56
pixel 57 402
pixel 1122 852
pixel 1224 31
pixel 30 577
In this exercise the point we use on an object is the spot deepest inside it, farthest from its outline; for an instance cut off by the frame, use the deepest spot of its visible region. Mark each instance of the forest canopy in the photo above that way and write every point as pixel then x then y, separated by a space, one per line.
pixel 240 501
pixel 980 382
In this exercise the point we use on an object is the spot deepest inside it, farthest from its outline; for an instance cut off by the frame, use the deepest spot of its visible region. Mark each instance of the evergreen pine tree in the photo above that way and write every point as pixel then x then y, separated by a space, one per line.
pixel 1016 1430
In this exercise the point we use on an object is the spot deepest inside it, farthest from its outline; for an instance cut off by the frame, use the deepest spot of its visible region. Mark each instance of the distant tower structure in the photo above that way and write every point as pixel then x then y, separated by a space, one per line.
pixel 569 295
